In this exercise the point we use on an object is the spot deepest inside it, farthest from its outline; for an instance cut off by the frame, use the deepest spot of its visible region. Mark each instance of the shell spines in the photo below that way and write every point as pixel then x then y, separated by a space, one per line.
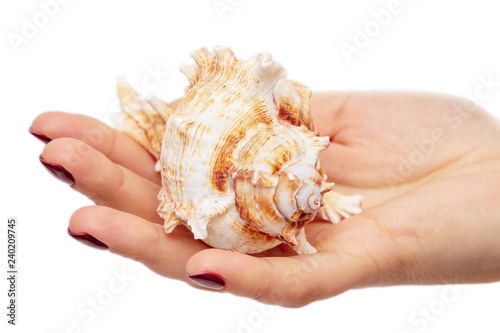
pixel 239 157
pixel 143 120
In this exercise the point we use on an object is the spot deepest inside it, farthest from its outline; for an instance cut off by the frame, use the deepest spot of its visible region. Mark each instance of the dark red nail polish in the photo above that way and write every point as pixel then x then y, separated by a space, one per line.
pixel 58 171
pixel 89 240
pixel 41 137
pixel 208 280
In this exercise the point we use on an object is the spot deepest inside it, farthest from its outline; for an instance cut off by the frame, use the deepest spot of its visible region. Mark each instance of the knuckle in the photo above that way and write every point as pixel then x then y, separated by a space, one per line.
pixel 99 199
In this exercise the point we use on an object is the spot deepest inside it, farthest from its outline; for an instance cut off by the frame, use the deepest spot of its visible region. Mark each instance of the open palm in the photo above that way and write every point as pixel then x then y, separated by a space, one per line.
pixel 427 165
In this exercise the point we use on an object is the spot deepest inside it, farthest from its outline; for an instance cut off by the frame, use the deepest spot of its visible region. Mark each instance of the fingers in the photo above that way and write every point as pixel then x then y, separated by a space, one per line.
pixel 132 237
pixel 101 180
pixel 287 281
pixel 325 106
pixel 117 146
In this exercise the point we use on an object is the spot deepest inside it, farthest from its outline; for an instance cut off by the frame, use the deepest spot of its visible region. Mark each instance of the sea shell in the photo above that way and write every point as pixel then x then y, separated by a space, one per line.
pixel 239 157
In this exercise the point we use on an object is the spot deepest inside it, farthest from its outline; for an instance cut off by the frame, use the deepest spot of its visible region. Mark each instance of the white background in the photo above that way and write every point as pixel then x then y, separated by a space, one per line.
pixel 71 62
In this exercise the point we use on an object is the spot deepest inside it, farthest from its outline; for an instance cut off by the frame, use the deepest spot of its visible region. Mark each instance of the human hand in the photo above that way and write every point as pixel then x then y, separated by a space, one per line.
pixel 426 164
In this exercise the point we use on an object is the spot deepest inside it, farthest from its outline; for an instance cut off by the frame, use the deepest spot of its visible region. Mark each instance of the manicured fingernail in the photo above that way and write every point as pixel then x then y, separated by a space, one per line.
pixel 42 137
pixel 59 172
pixel 207 280
pixel 89 240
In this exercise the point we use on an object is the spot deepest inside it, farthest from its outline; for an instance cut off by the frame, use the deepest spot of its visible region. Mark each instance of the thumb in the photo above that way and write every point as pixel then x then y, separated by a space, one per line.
pixel 288 281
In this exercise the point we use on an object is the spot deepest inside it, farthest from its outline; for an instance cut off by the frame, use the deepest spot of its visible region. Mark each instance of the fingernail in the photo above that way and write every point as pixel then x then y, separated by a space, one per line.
pixel 42 137
pixel 59 172
pixel 89 240
pixel 207 280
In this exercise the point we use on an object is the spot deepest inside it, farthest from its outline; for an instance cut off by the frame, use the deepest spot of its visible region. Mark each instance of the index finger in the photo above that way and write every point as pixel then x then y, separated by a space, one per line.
pixel 117 146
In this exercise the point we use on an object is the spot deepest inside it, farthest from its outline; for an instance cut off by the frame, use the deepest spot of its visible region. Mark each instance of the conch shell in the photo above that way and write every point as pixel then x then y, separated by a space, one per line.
pixel 239 157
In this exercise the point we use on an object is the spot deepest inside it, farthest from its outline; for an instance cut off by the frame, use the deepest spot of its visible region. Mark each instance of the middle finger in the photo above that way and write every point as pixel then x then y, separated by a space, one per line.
pixel 103 181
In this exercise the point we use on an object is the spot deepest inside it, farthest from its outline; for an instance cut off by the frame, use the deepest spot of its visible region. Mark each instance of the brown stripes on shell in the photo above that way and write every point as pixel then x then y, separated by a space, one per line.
pixel 288 114
pixel 182 129
pixel 223 158
pixel 246 203
pixel 281 160
pixel 296 117
pixel 277 156
pixel 295 114
pixel 223 161
pixel 299 219
pixel 248 229
pixel 223 75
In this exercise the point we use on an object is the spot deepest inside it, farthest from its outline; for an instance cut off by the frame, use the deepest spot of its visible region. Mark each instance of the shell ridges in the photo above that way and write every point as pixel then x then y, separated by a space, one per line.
pixel 238 156
pixel 337 206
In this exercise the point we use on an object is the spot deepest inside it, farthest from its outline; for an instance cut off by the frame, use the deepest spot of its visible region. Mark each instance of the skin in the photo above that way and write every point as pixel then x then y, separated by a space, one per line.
pixel 428 166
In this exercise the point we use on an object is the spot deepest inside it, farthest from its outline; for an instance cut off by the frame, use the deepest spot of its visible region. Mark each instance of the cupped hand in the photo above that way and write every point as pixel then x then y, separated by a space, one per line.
pixel 428 166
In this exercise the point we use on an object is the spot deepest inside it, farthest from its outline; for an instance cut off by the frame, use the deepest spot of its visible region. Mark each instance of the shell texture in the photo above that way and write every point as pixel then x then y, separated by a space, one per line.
pixel 239 157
